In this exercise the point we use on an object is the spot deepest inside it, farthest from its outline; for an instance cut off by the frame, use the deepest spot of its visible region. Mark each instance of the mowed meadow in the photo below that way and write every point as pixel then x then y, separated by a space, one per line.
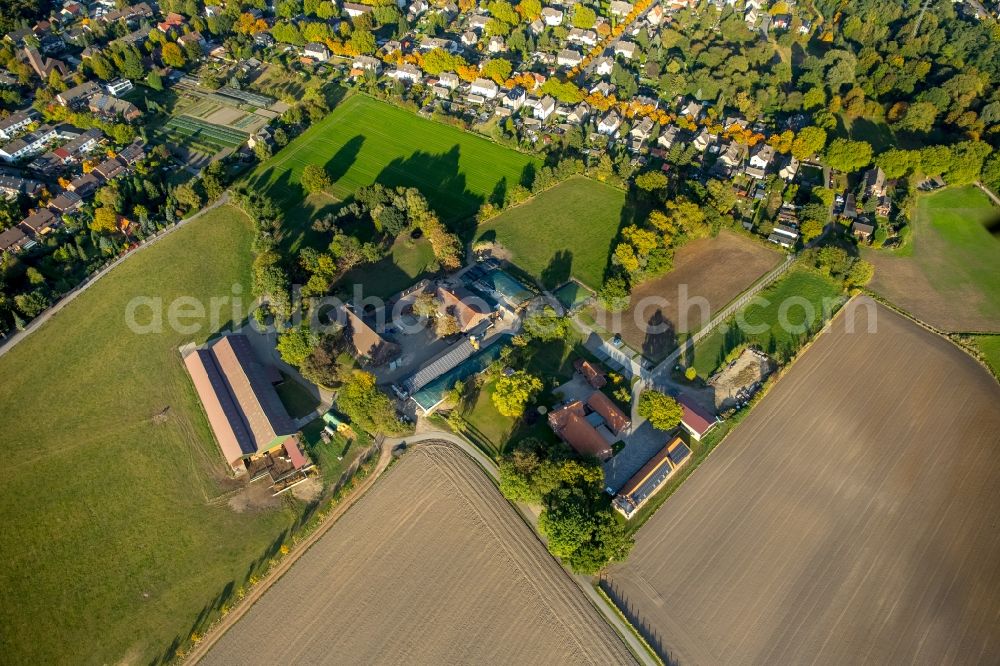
pixel 117 535
pixel 948 274
pixel 364 141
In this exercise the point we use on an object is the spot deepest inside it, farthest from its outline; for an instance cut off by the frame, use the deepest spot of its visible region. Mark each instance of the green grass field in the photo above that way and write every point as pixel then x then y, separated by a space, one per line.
pixel 947 276
pixel 407 262
pixel 117 536
pixel 365 141
pixel 989 347
pixel 773 338
pixel 564 231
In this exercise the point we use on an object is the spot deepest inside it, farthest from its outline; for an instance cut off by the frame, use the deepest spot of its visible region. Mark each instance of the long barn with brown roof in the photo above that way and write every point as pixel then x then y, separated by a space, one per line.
pixel 242 406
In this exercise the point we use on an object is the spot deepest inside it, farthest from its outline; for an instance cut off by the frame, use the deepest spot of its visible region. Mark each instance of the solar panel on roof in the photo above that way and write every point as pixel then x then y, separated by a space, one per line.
pixel 678 454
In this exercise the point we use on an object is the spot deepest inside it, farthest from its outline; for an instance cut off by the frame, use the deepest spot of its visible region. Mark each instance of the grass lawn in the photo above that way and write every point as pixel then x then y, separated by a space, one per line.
pixel 335 456
pixel 564 231
pixel 117 535
pixel 296 398
pixel 365 141
pixel 407 262
pixel 775 339
pixel 948 274
pixel 989 347
pixel 493 432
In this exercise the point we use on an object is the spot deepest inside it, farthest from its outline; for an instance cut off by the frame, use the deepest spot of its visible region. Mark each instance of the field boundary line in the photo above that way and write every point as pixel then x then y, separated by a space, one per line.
pixel 950 337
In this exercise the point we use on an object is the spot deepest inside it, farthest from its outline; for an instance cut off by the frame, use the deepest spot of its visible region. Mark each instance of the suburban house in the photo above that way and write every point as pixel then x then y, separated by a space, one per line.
pixel 585 37
pixel 367 64
pixel 85 185
pixel 112 107
pixel 695 419
pixel 14 186
pixel 620 8
pixel 732 155
pixel 784 235
pixel 407 72
pixel 703 140
pixel 650 478
pixel 789 170
pixel 514 99
pixel 118 87
pixel 17 122
pixel 13 240
pixel 78 94
pixel 579 114
pixel 544 108
pixel 668 137
pixel 552 16
pixel 484 87
pixel 28 144
pixel 643 129
pixel 193 37
pixel 66 202
pixel 625 49
pixel 449 80
pixel 862 228
pixel 172 23
pixel 604 66
pixel 469 38
pixel 40 222
pixel 609 124
pixel 568 58
pixel 239 398
pixel 496 44
pixel 316 51
pixel 760 161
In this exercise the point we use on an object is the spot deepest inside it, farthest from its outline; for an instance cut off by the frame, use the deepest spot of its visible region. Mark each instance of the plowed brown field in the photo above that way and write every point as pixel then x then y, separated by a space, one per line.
pixel 431 567
pixel 716 270
pixel 851 518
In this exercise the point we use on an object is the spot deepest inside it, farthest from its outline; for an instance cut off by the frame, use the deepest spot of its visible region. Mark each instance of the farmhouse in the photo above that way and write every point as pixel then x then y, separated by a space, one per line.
pixel 571 425
pixel 594 376
pixel 695 420
pixel 651 477
pixel 368 346
pixel 241 403
pixel 468 309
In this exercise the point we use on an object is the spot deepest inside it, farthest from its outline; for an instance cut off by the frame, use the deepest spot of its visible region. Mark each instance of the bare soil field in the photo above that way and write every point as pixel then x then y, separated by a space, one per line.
pixel 432 566
pixel 850 518
pixel 717 269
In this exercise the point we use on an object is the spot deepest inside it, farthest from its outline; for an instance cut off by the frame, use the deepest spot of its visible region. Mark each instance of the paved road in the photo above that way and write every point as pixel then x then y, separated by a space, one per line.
pixel 37 322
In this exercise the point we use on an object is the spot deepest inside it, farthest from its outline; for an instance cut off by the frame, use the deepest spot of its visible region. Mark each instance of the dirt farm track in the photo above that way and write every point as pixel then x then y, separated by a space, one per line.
pixel 851 518
pixel 431 566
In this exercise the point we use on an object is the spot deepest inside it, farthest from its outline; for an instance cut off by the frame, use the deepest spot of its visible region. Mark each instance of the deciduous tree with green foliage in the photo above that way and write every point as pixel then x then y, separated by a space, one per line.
pixel 662 411
pixel 513 392
pixel 315 179
pixel 848 155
